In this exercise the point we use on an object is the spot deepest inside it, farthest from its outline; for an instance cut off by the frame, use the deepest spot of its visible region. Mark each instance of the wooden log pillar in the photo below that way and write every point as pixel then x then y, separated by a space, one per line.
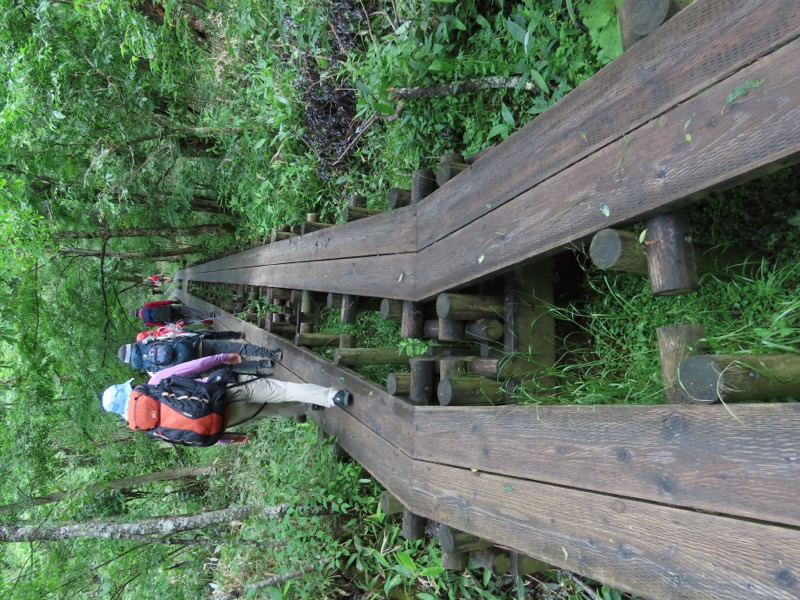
pixel 423 183
pixel 622 251
pixel 670 256
pixel 488 367
pixel 389 504
pixel 278 236
pixel 353 213
pixel 399 198
pixel 413 526
pixel 274 294
pixel 450 165
pixel 448 330
pixel 398 384
pixel 529 326
pixel 740 378
pixel 352 305
pixel 454 541
pixel 391 310
pixel 349 357
pixel 484 330
pixel 334 300
pixel 421 382
pixel 412 320
pixel 501 562
pixel 357 201
pixel 676 343
pixel 470 391
pixel 316 339
pixel 467 307
pixel 312 224
pixel 639 18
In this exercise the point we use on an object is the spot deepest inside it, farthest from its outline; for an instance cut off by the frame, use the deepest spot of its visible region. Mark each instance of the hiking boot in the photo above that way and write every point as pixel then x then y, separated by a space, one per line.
pixel 262 365
pixel 342 398
pixel 274 354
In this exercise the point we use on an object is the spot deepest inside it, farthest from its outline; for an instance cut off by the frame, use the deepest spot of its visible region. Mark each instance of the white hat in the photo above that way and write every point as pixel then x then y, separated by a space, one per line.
pixel 115 398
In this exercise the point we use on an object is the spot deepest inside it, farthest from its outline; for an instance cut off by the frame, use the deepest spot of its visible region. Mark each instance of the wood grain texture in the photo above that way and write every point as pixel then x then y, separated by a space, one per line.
pixel 703 44
pixel 388 276
pixel 653 551
pixel 388 233
pixel 652 170
pixel 697 457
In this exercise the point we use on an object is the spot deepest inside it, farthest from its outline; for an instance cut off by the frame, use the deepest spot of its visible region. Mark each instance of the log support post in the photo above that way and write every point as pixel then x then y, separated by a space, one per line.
pixel 412 320
pixel 353 213
pixel 398 384
pixel 391 310
pixel 399 198
pixel 470 391
pixel 676 343
pixel 450 165
pixel 529 326
pixel 421 384
pixel 740 378
pixel 389 504
pixel 423 183
pixel 350 357
pixel 670 256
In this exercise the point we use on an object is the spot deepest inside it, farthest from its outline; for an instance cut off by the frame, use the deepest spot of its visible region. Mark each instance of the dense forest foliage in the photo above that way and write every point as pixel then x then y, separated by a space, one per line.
pixel 138 135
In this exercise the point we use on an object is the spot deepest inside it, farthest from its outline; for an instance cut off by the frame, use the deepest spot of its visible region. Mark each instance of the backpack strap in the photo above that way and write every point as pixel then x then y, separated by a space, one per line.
pixel 254 377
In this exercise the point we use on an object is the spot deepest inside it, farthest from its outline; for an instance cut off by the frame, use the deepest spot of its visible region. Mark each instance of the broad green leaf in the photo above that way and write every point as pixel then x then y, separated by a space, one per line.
pixel 517 32
pixel 507 116
pixel 259 143
pixel 539 81
pixel 406 560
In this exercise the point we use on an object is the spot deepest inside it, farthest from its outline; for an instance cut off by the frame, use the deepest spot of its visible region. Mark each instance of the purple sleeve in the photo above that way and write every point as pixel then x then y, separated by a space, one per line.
pixel 187 369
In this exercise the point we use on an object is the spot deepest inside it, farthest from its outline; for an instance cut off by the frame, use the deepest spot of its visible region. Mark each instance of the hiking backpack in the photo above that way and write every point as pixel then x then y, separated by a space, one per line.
pixel 158 314
pixel 160 354
pixel 181 410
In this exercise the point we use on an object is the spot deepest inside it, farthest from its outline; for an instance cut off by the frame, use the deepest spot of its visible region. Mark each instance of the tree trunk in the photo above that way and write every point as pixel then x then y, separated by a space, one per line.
pixel 158 254
pixel 147 231
pixel 128 482
pixel 162 526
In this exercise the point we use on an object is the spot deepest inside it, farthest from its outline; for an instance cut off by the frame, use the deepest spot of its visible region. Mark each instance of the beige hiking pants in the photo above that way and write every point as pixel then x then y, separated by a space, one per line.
pixel 262 398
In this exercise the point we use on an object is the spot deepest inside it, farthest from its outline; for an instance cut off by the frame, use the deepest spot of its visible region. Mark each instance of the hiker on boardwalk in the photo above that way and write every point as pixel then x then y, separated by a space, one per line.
pixel 174 408
pixel 162 312
pixel 156 351
pixel 156 281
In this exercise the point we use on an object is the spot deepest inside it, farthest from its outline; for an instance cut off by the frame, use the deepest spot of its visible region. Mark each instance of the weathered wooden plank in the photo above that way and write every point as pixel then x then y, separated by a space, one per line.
pixel 388 416
pixel 699 457
pixel 389 276
pixel 388 233
pixel 653 169
pixel 703 44
pixel 653 551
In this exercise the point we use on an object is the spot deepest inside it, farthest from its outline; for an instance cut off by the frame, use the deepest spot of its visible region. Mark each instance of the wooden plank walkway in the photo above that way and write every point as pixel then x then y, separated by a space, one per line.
pixel 662 501
pixel 546 187
pixel 666 502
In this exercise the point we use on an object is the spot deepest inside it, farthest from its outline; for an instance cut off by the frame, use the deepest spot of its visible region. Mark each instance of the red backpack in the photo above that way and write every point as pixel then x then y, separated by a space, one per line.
pixel 181 410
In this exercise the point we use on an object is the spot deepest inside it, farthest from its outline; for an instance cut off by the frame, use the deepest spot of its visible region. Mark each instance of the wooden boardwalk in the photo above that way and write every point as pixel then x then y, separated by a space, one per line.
pixel 672 501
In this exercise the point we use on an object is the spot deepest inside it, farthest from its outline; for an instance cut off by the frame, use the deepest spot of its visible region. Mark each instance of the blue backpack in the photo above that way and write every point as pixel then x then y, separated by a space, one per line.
pixel 160 354
pixel 158 314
